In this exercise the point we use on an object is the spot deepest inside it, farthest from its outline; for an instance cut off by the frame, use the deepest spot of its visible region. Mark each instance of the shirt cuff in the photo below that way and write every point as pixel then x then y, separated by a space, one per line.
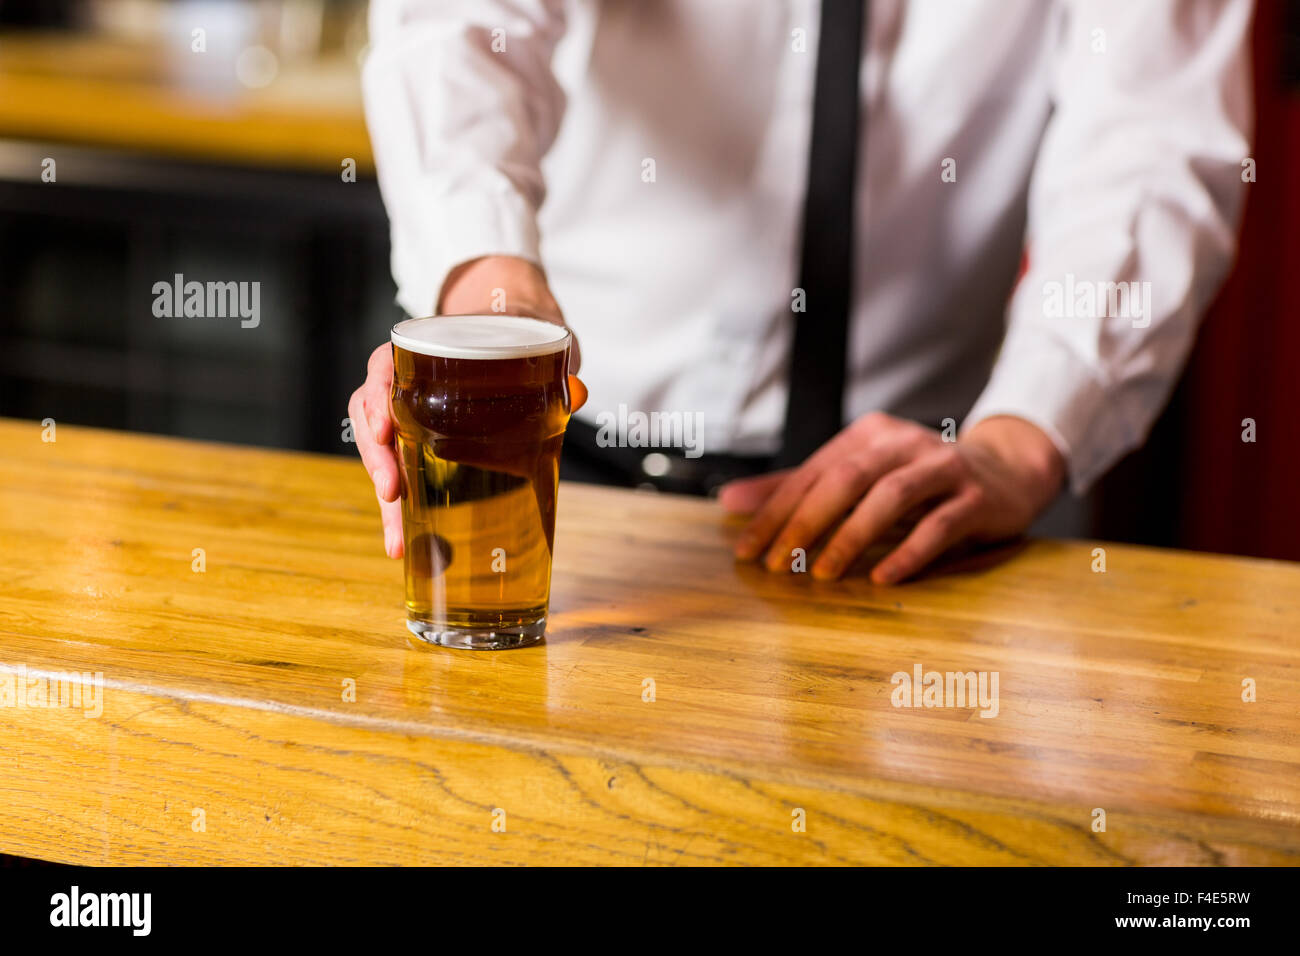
pixel 1048 385
pixel 435 234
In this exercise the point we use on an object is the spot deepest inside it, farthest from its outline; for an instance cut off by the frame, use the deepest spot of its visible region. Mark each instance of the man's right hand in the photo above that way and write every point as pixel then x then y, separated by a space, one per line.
pixel 502 284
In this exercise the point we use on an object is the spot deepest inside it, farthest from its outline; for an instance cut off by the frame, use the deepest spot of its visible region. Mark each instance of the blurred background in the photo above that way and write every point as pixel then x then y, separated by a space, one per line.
pixel 226 166
pixel 231 166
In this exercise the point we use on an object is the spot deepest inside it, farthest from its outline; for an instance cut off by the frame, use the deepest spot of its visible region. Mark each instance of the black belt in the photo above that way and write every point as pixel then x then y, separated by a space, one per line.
pixel 662 469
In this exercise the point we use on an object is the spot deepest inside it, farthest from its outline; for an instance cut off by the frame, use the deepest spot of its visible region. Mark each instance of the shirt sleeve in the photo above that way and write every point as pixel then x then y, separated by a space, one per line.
pixel 1139 179
pixel 461 105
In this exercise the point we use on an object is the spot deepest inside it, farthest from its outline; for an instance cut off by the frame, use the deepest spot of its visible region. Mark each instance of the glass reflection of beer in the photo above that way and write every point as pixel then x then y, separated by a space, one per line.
pixel 479 405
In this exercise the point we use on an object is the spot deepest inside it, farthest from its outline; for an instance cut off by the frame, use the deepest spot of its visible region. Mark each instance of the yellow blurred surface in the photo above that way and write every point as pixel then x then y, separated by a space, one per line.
pixel 144 96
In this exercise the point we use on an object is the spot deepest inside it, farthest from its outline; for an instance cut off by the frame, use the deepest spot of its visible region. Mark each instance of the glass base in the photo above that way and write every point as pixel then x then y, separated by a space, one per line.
pixel 478 639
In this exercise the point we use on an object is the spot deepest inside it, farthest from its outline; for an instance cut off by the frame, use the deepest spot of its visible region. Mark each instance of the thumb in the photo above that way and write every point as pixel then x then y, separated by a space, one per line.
pixel 577 394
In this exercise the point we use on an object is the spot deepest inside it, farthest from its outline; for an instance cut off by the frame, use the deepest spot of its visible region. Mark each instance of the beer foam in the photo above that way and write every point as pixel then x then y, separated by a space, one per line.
pixel 480 336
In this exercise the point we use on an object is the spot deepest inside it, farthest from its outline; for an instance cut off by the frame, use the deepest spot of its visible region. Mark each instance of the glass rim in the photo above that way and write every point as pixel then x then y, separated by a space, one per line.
pixel 562 340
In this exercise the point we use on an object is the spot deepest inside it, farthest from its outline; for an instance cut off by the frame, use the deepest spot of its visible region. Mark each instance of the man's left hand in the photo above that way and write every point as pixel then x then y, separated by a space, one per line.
pixel 988 485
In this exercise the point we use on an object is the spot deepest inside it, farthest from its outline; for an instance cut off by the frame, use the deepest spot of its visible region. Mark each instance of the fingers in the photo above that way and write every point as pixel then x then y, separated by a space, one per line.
pixel 868 431
pixel 379 460
pixel 577 394
pixel 373 429
pixel 390 513
pixel 372 426
pixel 779 506
pixel 746 495
pixel 888 500
pixel 934 534
pixel 839 487
pixel 376 391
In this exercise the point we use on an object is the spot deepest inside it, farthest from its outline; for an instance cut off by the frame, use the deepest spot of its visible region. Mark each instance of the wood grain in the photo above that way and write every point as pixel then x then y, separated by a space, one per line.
pixel 223 690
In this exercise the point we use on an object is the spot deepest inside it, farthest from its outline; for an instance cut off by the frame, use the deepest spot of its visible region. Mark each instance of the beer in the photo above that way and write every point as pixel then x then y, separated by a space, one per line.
pixel 479 405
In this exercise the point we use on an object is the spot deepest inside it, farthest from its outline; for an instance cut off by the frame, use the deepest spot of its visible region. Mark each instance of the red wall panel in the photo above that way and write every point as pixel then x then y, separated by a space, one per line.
pixel 1235 496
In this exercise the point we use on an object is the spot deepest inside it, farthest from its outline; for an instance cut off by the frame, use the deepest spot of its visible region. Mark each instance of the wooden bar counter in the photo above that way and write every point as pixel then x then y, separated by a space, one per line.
pixel 261 702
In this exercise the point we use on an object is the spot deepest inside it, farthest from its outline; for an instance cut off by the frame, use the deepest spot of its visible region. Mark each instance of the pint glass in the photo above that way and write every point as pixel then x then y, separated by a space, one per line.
pixel 479 405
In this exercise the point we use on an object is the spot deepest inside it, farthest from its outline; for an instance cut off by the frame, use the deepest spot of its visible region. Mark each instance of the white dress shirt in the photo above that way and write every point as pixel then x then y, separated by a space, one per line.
pixel 1101 141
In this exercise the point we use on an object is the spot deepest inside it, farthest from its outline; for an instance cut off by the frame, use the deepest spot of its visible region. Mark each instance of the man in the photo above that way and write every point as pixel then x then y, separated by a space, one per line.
pixel 712 261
